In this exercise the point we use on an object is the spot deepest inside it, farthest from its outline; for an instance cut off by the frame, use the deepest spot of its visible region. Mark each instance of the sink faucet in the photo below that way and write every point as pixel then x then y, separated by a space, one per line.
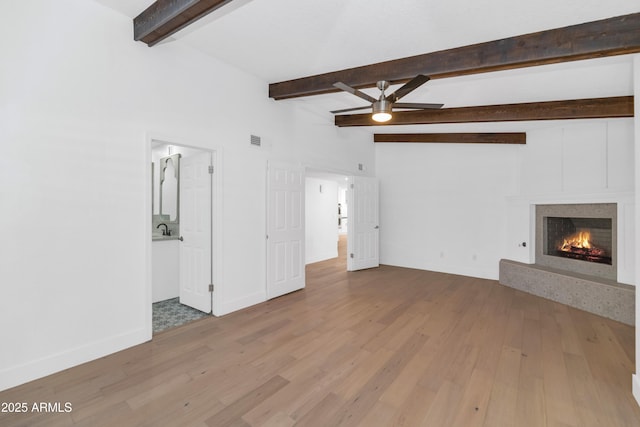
pixel 166 231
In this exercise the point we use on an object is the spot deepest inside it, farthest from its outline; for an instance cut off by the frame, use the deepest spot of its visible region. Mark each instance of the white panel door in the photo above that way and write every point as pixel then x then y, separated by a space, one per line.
pixel 285 229
pixel 195 229
pixel 363 230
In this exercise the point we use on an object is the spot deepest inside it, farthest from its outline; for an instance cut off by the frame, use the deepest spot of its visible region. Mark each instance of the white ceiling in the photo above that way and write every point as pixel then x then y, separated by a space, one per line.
pixel 278 40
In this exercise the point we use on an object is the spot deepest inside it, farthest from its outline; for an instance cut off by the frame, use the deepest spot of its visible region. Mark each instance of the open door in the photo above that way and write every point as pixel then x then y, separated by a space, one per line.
pixel 285 229
pixel 196 172
pixel 363 230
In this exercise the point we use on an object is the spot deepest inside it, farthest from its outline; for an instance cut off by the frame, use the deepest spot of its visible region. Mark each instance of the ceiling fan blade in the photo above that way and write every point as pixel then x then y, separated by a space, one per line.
pixel 410 86
pixel 351 109
pixel 355 92
pixel 417 106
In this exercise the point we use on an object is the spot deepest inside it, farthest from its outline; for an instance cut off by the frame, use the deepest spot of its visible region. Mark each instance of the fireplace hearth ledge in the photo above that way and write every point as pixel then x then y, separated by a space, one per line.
pixel 599 296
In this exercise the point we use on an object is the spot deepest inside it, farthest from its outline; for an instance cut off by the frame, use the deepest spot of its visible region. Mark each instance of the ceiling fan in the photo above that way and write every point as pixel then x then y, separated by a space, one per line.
pixel 383 106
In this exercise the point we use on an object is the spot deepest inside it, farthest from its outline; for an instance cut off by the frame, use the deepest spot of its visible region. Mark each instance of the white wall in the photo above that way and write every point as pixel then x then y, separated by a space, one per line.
pixel 442 205
pixel 321 223
pixel 636 91
pixel 460 208
pixel 80 100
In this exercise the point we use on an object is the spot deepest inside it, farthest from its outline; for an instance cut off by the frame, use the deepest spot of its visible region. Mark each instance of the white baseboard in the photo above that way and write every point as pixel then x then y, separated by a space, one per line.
pixel 35 369
pixel 240 303
pixel 482 271
pixel 635 387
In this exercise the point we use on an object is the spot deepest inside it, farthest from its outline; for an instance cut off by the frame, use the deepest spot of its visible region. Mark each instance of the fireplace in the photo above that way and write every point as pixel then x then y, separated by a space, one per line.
pixel 584 239
pixel 580 238
pixel 577 257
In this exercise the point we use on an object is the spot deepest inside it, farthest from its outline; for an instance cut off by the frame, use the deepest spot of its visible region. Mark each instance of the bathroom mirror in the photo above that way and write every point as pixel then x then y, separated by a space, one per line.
pixel 169 188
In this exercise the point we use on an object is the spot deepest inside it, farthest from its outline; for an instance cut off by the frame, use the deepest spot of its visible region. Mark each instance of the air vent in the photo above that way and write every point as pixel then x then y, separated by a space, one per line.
pixel 255 140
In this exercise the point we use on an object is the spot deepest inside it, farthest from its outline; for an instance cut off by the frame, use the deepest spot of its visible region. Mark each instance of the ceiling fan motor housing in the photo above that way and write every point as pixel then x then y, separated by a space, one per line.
pixel 382 106
pixel 381 110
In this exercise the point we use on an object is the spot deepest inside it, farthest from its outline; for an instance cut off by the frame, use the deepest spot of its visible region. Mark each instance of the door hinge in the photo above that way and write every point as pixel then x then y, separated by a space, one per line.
pixel 210 169
pixel 211 288
pixel 351 255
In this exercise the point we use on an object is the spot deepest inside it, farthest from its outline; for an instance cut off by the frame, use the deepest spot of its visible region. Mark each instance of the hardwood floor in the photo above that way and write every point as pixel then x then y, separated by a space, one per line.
pixel 382 347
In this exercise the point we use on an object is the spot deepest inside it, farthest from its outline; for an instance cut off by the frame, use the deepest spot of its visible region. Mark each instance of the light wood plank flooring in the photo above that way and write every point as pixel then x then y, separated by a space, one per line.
pixel 383 347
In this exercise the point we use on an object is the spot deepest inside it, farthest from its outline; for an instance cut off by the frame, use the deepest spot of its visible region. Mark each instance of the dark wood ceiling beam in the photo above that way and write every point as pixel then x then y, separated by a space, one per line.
pixel 456 138
pixel 594 108
pixel 165 17
pixel 607 37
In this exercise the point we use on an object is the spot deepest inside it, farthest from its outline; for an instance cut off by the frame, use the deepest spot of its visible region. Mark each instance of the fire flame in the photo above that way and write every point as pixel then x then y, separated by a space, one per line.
pixel 579 240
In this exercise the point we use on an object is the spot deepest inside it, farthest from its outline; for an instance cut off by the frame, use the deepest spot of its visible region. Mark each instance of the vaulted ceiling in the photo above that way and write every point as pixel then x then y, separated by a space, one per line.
pixel 279 40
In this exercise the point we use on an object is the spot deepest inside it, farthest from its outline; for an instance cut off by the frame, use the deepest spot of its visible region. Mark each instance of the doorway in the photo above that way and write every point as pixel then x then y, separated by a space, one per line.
pixel 327 215
pixel 182 258
pixel 306 215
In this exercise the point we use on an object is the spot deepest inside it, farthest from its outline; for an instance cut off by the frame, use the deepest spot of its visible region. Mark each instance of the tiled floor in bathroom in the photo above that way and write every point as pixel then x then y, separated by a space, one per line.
pixel 170 313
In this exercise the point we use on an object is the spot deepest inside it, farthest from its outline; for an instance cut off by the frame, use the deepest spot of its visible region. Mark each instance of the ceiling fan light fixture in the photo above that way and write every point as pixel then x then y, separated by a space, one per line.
pixel 381 111
pixel 381 117
pixel 383 106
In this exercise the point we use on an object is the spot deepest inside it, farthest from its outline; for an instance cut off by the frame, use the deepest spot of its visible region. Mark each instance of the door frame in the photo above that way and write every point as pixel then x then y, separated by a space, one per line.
pixel 216 223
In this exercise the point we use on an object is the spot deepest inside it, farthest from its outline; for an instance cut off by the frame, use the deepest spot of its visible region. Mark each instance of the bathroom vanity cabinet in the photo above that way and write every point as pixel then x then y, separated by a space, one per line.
pixel 165 269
